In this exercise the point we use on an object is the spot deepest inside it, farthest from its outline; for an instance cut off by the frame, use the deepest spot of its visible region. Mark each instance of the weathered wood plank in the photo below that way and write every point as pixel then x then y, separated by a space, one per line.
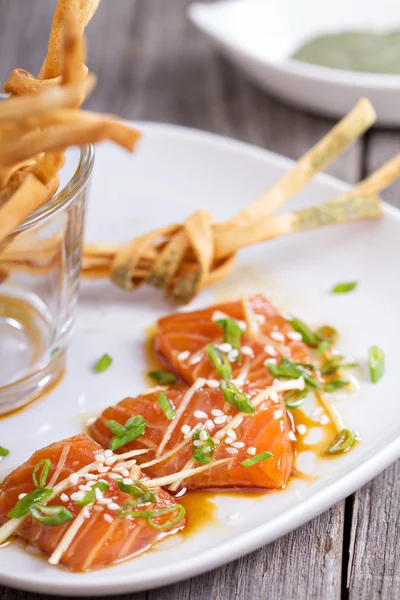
pixel 374 552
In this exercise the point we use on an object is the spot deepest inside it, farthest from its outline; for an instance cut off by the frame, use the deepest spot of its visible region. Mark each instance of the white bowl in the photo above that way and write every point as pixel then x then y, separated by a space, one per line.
pixel 261 35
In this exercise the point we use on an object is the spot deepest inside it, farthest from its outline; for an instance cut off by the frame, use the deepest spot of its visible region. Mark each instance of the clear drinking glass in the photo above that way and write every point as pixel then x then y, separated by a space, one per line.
pixel 39 278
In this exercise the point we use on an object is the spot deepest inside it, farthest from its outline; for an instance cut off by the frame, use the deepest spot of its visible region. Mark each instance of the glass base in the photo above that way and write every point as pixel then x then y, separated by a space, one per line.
pixel 29 361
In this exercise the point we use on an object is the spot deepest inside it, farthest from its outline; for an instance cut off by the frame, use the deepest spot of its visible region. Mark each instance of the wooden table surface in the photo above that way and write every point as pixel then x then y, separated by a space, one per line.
pixel 153 65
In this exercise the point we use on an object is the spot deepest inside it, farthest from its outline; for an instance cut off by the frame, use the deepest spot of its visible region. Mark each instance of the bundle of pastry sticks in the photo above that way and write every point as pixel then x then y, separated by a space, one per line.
pixel 180 258
pixel 41 118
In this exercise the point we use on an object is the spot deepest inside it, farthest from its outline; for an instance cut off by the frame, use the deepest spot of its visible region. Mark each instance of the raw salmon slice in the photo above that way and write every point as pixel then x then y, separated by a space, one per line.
pixel 103 538
pixel 182 339
pixel 268 429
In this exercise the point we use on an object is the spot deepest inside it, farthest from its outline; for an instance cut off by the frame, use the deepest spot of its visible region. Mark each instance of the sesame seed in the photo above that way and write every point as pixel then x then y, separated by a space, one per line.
pixel 212 383
pixel 103 480
pixel 228 440
pixel 98 465
pixel 242 325
pixel 225 347
pixel 111 460
pixel 86 512
pixel 251 450
pixel 98 508
pixel 185 428
pixel 301 429
pixel 270 361
pixel 200 414
pixel 232 450
pixel 85 488
pixel 295 336
pixel 196 358
pixel 220 434
pixel 247 351
pixel 64 497
pixel 203 435
pixel 90 476
pixel 113 506
pixel 238 444
pixel 273 395
pixel 278 336
pixel 268 349
pixel 183 355
pixel 277 414
pixel 198 443
pixel 219 420
pixel 74 478
pixel 77 496
pixel 209 425
pixel 200 382
pixel 108 518
pixel 114 476
pixel 104 501
pixel 232 355
pixel 98 494
pixel 21 496
pixel 291 436
pixel 91 483
pixel 103 469
pixel 127 481
pixel 108 453
pixel 260 319
pixel 217 412
pixel 324 420
pixel 100 458
pixel 231 433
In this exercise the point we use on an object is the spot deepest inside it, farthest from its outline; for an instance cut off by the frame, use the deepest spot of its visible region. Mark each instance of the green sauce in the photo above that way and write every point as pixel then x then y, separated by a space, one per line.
pixel 364 51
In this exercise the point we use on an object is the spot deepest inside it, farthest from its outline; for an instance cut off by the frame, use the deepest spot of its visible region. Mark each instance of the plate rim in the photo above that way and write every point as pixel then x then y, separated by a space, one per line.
pixel 243 543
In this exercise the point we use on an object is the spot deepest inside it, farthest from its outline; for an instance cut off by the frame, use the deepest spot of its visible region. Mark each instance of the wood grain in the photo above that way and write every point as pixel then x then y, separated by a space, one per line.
pixel 153 65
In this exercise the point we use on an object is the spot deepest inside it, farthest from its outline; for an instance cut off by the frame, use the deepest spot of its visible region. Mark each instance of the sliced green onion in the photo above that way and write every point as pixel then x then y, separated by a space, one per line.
pixel 344 287
pixel 50 515
pixel 343 442
pixel 162 376
pixel 203 454
pixel 335 363
pixel 23 506
pixel 327 333
pixel 336 384
pixel 4 452
pixel 306 332
pixel 295 398
pixel 162 511
pixel 138 489
pixel 376 361
pixel 256 459
pixel 220 361
pixel 232 333
pixel 166 406
pixel 323 347
pixel 291 370
pixel 116 428
pixel 91 496
pixel 43 469
pixel 237 398
pixel 126 512
pixel 123 434
pixel 103 363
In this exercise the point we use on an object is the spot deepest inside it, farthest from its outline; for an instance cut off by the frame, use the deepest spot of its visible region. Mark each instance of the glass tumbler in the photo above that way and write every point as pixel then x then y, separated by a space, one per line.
pixel 39 279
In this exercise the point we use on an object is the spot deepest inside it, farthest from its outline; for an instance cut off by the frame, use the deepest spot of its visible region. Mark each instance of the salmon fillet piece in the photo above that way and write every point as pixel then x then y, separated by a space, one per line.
pixel 268 429
pixel 182 339
pixel 103 538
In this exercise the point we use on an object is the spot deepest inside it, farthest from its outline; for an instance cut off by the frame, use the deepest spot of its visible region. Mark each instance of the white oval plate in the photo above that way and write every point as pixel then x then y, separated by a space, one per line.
pixel 261 35
pixel 174 172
